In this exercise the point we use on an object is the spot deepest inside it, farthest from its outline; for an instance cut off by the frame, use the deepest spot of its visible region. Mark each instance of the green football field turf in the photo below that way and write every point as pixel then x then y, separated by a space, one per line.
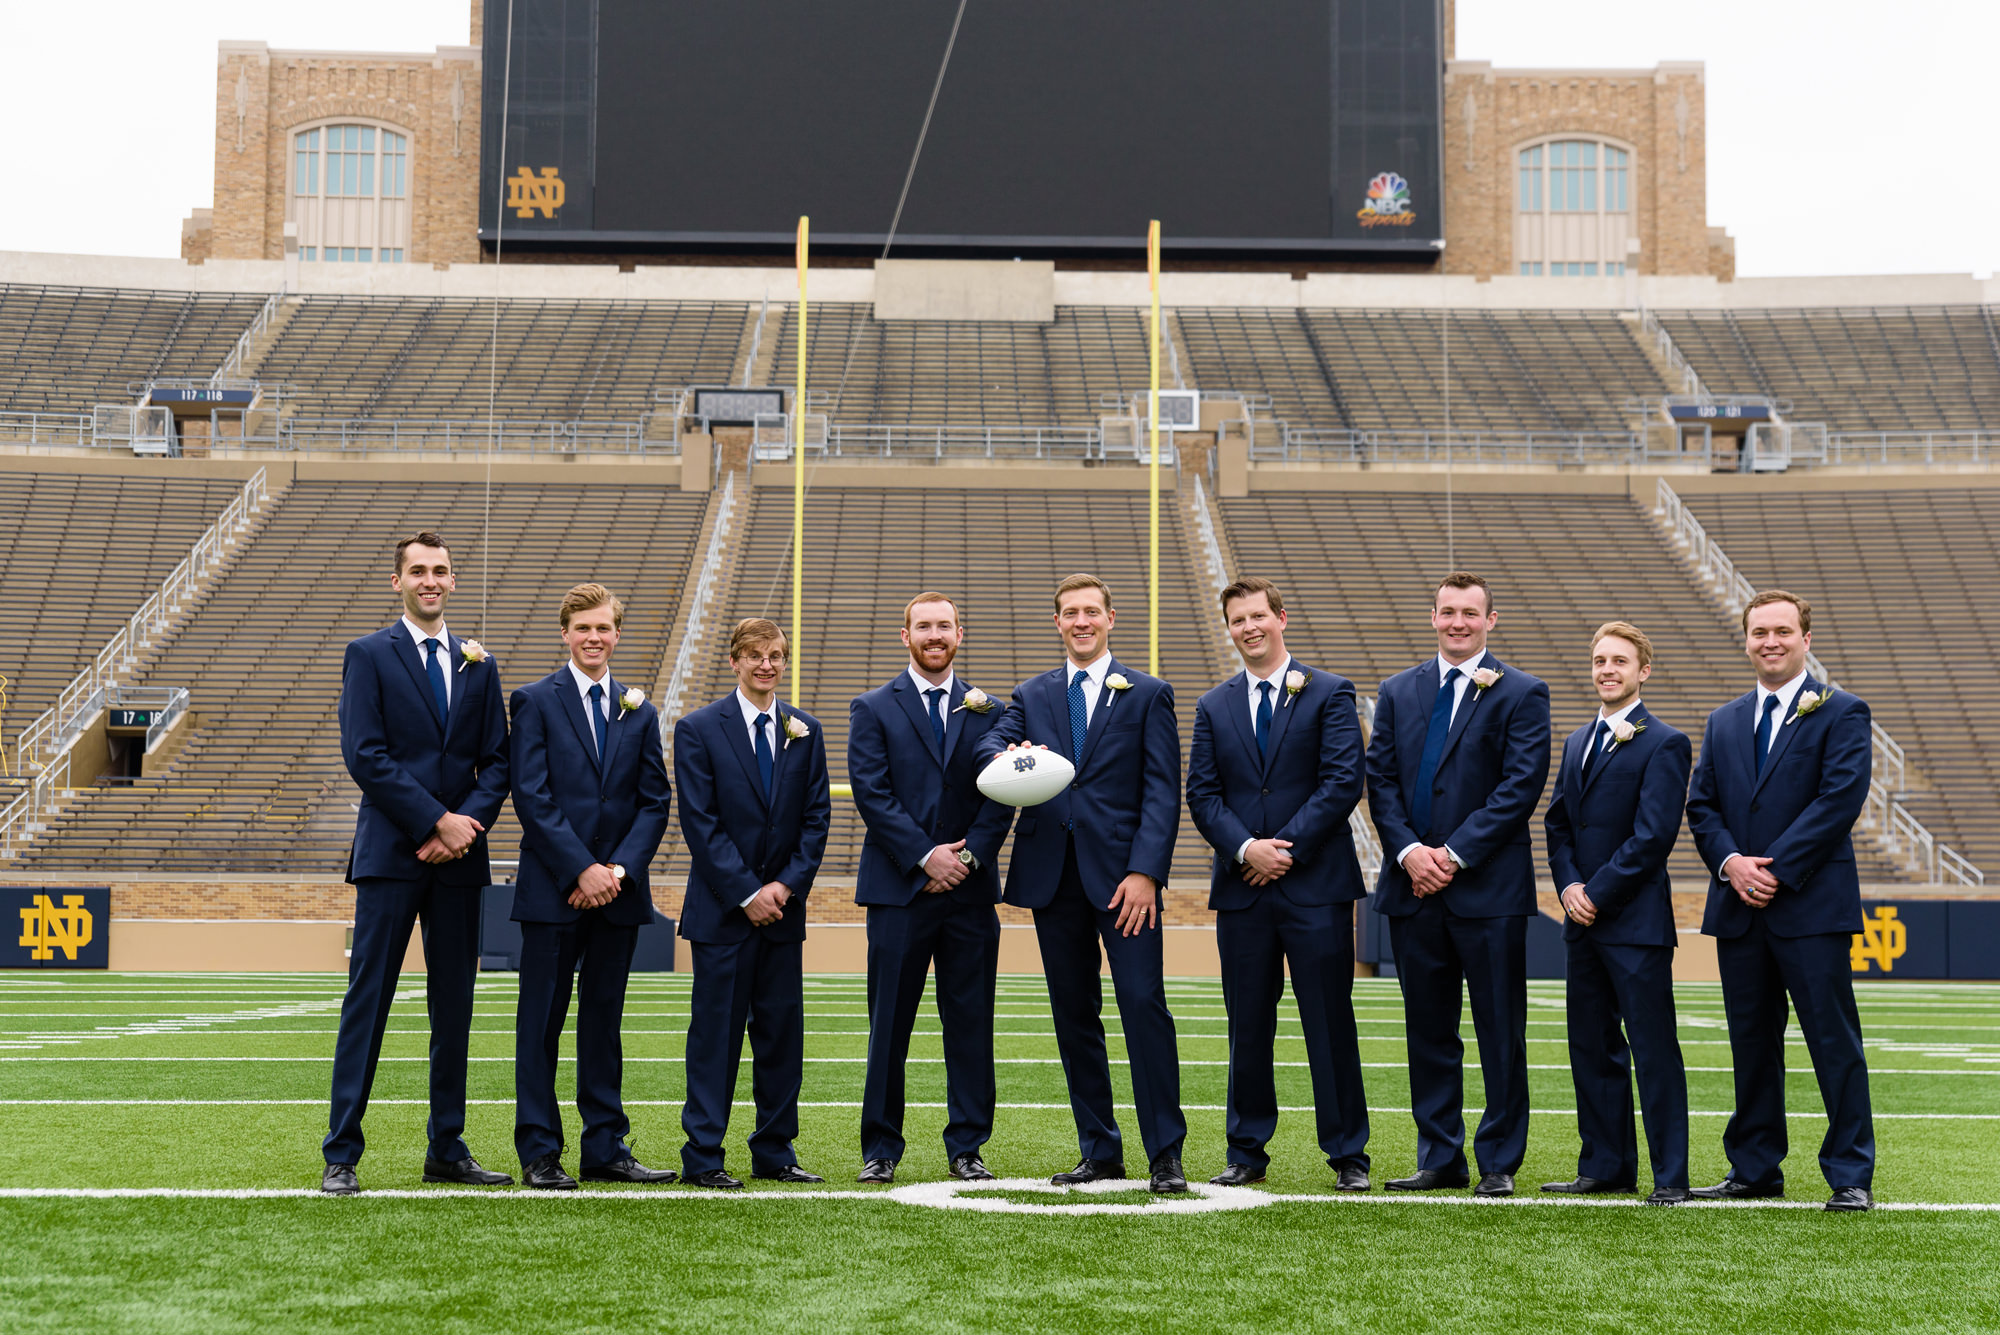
pixel 159 1154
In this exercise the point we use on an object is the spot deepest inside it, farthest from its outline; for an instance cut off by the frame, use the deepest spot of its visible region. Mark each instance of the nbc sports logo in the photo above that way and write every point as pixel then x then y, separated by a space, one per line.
pixel 1388 202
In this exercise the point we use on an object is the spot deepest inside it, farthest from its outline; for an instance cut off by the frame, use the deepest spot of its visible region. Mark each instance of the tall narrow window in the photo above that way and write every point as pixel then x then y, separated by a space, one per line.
pixel 1572 211
pixel 350 193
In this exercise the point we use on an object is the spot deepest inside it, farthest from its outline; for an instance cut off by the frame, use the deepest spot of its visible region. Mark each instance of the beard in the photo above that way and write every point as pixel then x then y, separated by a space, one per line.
pixel 926 656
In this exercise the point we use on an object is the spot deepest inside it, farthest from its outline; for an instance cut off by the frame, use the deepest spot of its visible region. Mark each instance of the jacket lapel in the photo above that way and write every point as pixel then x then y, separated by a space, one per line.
pixel 912 700
pixel 1100 718
pixel 615 726
pixel 579 717
pixel 1058 680
pixel 412 657
pixel 1281 715
pixel 1473 695
pixel 1783 741
pixel 1238 708
pixel 955 717
pixel 1572 765
pixel 1636 718
pixel 738 742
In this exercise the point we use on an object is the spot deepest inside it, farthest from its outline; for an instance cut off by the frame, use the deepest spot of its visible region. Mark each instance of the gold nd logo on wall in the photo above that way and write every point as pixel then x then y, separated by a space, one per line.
pixel 55 928
pixel 527 192
pixel 1882 940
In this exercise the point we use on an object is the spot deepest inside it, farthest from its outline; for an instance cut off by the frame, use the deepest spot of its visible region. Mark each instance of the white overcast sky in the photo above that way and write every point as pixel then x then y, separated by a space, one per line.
pixel 1843 136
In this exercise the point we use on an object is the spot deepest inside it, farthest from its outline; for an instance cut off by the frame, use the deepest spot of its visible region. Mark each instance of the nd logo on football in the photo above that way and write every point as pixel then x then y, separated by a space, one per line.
pixel 45 929
pixel 1022 764
pixel 1882 940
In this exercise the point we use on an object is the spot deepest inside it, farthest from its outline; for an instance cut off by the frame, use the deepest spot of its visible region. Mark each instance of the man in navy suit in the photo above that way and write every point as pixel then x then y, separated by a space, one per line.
pixel 423 731
pixel 755 806
pixel 1613 821
pixel 1456 767
pixel 1783 776
pixel 590 787
pixel 1274 774
pixel 1091 863
pixel 929 877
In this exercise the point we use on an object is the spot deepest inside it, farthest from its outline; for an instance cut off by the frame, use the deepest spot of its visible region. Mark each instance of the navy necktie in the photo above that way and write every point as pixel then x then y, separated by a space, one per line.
pixel 1263 717
pixel 766 762
pixel 1079 715
pixel 1764 731
pixel 1427 768
pixel 597 715
pixel 934 711
pixel 434 669
pixel 1596 744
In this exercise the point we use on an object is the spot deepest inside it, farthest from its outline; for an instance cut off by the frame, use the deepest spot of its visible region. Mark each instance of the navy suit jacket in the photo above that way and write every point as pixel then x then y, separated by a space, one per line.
pixel 1302 788
pixel 1489 782
pixel 575 811
pixel 1614 830
pixel 1800 812
pixel 414 767
pixel 1124 805
pixel 739 839
pixel 914 795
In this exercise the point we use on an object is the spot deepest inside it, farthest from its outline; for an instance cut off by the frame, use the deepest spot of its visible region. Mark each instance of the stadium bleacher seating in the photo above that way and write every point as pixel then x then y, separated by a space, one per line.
pixel 1355 569
pixel 82 552
pixel 1894 579
pixel 71 347
pixel 260 786
pixel 1912 368
pixel 428 358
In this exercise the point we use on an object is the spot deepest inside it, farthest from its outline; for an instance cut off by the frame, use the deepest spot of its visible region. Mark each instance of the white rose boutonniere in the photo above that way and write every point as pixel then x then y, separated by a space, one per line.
pixel 1295 681
pixel 1485 677
pixel 1624 730
pixel 629 700
pixel 1116 681
pixel 1810 701
pixel 795 729
pixel 473 652
pixel 975 700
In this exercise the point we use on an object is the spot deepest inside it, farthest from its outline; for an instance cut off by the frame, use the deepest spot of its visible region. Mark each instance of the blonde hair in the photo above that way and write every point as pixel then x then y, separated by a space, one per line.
pixel 586 596
pixel 1625 630
pixel 754 633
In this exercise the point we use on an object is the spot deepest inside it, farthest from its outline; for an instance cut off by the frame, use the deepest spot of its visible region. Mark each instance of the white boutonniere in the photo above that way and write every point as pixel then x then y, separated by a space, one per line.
pixel 473 652
pixel 1809 702
pixel 631 698
pixel 1624 730
pixel 794 730
pixel 1295 681
pixel 1116 681
pixel 1484 677
pixel 976 700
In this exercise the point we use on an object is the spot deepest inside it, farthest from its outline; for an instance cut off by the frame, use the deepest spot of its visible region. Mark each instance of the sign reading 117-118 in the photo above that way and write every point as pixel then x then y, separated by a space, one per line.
pixel 55 927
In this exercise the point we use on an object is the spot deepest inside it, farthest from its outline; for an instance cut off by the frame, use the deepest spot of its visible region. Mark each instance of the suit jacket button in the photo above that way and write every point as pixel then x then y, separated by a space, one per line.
pixel 1756 806
pixel 1267 792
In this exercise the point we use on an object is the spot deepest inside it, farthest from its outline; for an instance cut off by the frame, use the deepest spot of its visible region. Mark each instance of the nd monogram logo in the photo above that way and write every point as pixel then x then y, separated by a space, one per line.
pixel 527 192
pixel 1022 764
pixel 45 929
pixel 1882 939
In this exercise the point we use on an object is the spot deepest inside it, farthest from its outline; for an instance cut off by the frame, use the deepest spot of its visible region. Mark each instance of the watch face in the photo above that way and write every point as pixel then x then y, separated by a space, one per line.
pixel 965 856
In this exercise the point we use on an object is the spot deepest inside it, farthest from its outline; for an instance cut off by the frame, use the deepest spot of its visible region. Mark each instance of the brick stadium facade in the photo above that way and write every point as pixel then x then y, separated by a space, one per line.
pixel 1658 117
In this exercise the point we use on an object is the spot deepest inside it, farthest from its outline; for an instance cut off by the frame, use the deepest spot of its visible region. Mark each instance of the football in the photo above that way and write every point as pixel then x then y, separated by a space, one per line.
pixel 1027 777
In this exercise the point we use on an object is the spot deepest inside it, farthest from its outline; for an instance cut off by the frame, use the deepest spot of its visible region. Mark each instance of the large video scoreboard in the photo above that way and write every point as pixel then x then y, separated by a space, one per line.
pixel 1272 128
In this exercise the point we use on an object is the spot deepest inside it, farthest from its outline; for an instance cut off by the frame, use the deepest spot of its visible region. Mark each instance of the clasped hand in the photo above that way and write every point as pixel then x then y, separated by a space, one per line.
pixel 1577 905
pixel 450 838
pixel 595 888
pixel 943 869
pixel 768 904
pixel 1265 860
pixel 1430 869
pixel 1752 879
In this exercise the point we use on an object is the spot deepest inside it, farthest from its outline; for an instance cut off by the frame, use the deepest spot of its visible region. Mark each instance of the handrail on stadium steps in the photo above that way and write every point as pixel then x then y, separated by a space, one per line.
pixel 52 733
pixel 1889 774
pixel 22 818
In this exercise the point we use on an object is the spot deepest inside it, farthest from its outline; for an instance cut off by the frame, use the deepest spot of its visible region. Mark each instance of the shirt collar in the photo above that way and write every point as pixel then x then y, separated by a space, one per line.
pixel 1277 677
pixel 1786 694
pixel 1098 670
pixel 922 685
pixel 1465 669
pixel 583 681
pixel 419 634
pixel 1623 713
pixel 750 711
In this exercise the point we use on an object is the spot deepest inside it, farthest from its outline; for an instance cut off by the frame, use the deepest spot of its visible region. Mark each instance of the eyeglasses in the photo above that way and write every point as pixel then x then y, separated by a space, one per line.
pixel 766 660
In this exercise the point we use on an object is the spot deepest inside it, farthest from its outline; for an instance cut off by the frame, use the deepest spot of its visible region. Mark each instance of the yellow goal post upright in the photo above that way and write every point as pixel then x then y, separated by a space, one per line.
pixel 1153 511
pixel 799 477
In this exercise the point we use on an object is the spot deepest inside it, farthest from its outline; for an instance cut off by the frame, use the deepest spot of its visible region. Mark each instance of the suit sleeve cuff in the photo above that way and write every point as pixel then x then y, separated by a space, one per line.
pixel 752 895
pixel 1407 850
pixel 1450 852
pixel 1243 850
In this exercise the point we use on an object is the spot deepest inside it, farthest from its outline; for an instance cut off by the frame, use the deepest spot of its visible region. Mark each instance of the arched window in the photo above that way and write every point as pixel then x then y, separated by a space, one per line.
pixel 350 193
pixel 1572 209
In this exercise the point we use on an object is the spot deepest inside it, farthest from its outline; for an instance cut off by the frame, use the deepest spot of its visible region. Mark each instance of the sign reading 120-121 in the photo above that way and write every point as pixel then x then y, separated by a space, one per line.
pixel 55 927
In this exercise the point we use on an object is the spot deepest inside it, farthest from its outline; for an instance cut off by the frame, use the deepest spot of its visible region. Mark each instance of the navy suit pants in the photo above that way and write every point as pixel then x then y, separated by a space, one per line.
pixel 1440 958
pixel 1758 970
pixel 549 957
pixel 384 913
pixel 1068 929
pixel 1617 992
pixel 1318 940
pixel 758 984
pixel 963 936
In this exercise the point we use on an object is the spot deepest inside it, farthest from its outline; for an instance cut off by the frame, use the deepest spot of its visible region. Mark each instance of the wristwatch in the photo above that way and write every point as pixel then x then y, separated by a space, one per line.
pixel 965 856
pixel 618 872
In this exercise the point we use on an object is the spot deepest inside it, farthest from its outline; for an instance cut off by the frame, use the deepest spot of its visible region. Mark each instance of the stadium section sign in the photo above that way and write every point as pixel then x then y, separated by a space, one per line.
pixel 1290 127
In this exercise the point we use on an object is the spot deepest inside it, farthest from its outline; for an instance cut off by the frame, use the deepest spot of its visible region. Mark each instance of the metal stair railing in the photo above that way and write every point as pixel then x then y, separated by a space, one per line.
pixel 698 611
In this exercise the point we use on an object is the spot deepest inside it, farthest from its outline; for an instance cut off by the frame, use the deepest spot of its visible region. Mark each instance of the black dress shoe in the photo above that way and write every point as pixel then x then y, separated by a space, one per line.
pixel 1493 1185
pixel 339 1180
pixel 465 1172
pixel 1587 1186
pixel 546 1174
pixel 1089 1170
pixel 971 1168
pixel 1167 1177
pixel 878 1170
pixel 713 1180
pixel 1729 1189
pixel 1351 1177
pixel 1668 1196
pixel 791 1172
pixel 1851 1198
pixel 1429 1179
pixel 1238 1175
pixel 629 1170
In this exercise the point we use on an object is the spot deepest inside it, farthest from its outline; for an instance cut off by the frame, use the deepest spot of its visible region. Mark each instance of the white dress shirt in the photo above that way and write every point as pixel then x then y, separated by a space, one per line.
pixel 1251 683
pixel 1615 716
pixel 750 713
pixel 1093 686
pixel 1465 671
pixel 583 685
pixel 443 637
